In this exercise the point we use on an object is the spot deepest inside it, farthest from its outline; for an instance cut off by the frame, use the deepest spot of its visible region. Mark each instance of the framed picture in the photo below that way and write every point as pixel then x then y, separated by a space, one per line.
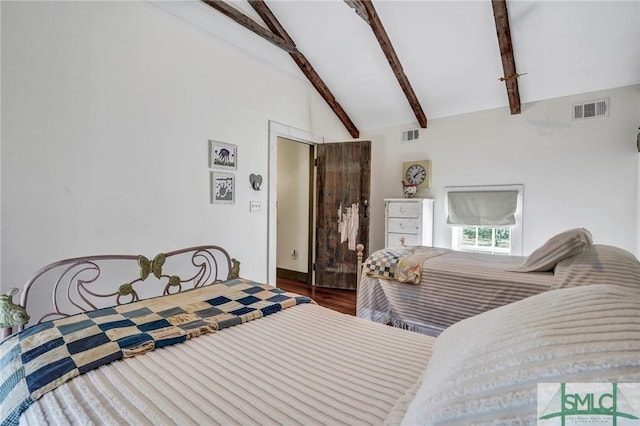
pixel 223 187
pixel 223 155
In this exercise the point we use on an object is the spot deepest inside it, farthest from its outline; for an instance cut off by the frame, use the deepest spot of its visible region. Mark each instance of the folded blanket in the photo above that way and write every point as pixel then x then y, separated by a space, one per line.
pixel 43 356
pixel 403 264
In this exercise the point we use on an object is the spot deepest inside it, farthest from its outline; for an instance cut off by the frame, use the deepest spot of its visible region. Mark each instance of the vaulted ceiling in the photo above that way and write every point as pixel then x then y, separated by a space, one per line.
pixel 448 51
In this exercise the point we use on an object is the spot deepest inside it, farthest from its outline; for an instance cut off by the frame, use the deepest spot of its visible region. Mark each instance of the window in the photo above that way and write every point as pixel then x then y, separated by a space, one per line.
pixel 482 239
pixel 486 219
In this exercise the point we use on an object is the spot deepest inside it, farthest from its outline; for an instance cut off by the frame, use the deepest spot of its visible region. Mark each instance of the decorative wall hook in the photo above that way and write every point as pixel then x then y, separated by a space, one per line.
pixel 256 181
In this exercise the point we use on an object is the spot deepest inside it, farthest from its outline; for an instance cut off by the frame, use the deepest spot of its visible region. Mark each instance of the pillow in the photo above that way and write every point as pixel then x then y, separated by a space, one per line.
pixel 599 264
pixel 485 369
pixel 560 246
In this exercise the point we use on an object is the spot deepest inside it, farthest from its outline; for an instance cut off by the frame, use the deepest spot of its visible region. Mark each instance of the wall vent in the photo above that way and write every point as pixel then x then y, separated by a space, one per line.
pixel 410 135
pixel 591 109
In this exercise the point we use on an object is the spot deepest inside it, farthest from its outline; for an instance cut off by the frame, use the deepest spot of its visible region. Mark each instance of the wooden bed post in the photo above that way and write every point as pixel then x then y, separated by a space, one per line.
pixel 359 254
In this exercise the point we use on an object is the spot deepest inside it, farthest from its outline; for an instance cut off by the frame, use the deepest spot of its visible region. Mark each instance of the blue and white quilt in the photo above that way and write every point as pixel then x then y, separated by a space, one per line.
pixel 40 358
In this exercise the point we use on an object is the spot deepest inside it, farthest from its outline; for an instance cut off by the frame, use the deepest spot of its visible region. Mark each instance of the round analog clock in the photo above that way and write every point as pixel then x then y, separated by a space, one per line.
pixel 417 173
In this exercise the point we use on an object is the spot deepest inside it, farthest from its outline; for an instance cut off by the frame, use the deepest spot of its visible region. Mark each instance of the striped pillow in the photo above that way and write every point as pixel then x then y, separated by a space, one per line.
pixel 485 369
pixel 599 264
pixel 561 246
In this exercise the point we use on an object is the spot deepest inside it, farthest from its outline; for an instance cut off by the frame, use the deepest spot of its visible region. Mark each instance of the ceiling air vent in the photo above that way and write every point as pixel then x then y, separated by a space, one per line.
pixel 410 135
pixel 591 109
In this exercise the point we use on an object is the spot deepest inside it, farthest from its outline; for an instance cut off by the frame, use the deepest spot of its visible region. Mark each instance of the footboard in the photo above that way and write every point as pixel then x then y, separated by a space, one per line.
pixel 81 284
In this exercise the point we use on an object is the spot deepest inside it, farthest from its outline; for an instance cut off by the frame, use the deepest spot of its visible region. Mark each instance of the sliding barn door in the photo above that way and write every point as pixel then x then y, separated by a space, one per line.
pixel 343 173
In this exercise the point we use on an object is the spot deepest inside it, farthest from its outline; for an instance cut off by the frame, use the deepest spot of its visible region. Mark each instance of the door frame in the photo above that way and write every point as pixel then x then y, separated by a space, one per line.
pixel 278 129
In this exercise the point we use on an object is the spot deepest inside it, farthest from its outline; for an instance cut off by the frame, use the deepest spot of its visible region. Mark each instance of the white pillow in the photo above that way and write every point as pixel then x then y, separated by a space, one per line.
pixel 559 247
pixel 485 369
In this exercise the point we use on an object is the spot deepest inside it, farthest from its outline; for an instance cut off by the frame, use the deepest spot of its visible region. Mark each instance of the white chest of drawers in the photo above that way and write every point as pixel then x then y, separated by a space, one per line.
pixel 411 218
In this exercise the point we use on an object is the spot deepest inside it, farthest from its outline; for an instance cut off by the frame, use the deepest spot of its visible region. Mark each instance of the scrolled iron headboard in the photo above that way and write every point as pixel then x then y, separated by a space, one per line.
pixel 86 283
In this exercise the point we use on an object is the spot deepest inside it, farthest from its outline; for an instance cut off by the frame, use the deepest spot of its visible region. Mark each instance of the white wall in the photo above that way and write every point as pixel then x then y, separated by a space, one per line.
pixel 293 205
pixel 638 146
pixel 575 173
pixel 638 186
pixel 107 109
pixel 0 149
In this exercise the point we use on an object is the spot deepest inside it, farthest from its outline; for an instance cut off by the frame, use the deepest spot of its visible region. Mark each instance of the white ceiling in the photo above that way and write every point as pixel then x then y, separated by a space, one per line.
pixel 448 49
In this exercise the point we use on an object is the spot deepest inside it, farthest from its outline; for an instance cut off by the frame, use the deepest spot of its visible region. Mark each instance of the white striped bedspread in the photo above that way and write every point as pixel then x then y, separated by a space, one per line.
pixel 452 287
pixel 304 365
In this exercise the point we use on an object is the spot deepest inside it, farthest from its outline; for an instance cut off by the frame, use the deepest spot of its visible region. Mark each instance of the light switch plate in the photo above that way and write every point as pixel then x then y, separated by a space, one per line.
pixel 255 206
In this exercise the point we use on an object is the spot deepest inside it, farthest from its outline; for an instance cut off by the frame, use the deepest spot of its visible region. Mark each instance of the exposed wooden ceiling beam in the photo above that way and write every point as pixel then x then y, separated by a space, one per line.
pixel 506 53
pixel 305 66
pixel 250 24
pixel 359 9
pixel 277 35
pixel 394 61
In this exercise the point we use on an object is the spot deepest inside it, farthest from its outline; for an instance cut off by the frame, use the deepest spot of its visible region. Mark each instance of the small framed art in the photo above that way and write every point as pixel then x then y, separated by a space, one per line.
pixel 223 156
pixel 222 188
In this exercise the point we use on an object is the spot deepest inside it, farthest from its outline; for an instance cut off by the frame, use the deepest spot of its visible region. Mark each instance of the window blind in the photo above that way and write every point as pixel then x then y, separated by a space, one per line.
pixel 482 208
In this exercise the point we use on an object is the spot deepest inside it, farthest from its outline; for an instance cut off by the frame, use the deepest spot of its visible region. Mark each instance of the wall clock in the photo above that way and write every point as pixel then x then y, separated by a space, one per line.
pixel 417 173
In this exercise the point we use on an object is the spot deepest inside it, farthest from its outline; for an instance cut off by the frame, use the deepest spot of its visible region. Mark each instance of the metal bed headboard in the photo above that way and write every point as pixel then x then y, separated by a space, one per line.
pixel 81 284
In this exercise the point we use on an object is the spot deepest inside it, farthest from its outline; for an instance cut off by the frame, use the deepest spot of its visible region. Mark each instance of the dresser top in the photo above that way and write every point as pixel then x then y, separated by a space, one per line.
pixel 409 199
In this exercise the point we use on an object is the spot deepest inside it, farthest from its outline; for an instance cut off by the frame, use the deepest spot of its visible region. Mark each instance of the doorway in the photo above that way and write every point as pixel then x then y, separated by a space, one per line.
pixel 277 130
pixel 295 210
pixel 344 261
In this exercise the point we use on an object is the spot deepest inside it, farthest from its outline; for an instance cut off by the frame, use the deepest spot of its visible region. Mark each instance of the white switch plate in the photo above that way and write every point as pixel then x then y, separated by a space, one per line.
pixel 255 206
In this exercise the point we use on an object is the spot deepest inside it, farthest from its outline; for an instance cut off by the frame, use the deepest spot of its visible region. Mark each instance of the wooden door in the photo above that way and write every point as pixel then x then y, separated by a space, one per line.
pixel 343 180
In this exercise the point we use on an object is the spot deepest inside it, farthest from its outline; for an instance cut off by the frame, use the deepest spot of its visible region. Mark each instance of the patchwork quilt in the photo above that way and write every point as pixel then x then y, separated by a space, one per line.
pixel 403 264
pixel 39 358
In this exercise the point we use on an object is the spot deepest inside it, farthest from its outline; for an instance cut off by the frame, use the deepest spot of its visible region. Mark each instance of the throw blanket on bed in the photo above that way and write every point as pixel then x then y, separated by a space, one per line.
pixel 43 356
pixel 403 264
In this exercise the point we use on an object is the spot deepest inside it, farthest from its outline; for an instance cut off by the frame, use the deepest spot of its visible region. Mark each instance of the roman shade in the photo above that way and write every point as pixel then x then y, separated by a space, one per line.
pixel 482 208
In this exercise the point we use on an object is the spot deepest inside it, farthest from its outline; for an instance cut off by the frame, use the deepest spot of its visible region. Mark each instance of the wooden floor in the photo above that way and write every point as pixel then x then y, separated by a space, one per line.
pixel 337 299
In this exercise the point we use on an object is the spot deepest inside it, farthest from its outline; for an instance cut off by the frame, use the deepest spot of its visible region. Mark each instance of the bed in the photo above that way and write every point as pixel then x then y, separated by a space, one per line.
pixel 226 350
pixel 426 289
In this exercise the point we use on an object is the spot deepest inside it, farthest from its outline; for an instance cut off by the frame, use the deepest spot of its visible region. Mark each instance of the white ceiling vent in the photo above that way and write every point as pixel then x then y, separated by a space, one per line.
pixel 591 109
pixel 410 135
